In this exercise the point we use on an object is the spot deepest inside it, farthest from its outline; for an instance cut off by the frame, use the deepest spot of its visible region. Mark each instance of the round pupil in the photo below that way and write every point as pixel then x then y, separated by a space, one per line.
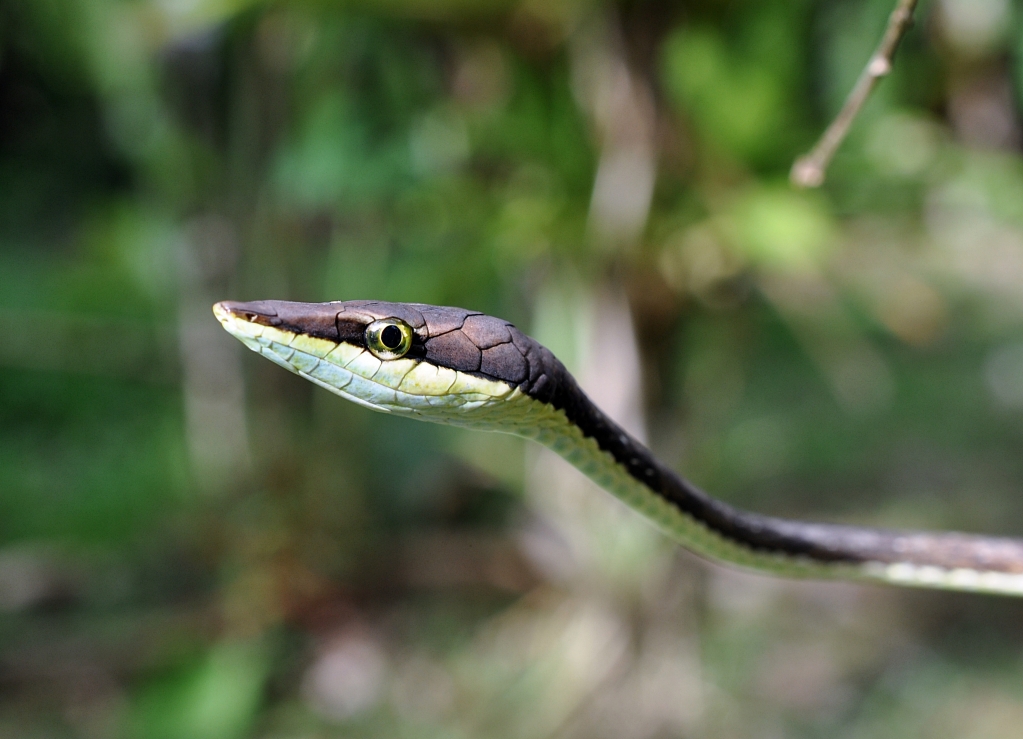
pixel 391 337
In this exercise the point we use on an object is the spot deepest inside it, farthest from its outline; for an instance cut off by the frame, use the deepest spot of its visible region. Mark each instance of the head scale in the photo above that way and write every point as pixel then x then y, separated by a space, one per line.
pixel 448 365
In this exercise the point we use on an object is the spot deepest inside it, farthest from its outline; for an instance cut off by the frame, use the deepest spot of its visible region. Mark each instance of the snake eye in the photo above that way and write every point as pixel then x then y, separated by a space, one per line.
pixel 389 338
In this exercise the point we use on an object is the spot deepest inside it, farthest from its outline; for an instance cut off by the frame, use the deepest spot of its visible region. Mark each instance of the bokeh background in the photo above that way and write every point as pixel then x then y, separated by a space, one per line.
pixel 195 544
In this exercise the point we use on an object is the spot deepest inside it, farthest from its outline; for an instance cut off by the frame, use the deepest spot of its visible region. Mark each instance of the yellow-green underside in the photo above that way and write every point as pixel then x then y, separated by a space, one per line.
pixel 414 388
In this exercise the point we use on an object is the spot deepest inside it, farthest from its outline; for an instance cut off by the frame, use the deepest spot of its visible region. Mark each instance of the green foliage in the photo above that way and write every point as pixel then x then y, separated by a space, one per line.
pixel 195 544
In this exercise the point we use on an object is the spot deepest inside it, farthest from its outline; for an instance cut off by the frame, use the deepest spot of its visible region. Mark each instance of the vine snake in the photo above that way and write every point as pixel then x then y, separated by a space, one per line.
pixel 460 367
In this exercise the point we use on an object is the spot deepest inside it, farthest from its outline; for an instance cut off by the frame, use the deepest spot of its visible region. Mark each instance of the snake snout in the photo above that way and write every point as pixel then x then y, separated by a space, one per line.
pixel 252 311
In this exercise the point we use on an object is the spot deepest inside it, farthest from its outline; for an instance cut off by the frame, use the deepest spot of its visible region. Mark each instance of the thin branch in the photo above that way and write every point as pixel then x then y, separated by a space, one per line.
pixel 809 169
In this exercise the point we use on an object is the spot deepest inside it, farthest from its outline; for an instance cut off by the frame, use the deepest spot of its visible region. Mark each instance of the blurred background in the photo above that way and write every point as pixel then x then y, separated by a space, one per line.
pixel 196 544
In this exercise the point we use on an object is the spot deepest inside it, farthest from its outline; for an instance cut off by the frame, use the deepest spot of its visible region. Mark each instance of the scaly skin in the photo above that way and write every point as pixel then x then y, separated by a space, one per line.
pixel 476 371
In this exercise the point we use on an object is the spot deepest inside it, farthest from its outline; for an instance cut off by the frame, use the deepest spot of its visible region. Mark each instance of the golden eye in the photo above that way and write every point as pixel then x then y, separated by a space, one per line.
pixel 389 338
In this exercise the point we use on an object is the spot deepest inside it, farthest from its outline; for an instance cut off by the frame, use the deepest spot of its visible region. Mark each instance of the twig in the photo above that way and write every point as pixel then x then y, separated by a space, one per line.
pixel 808 170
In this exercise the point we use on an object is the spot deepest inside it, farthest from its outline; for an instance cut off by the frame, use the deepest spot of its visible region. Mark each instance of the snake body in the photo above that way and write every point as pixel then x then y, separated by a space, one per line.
pixel 461 367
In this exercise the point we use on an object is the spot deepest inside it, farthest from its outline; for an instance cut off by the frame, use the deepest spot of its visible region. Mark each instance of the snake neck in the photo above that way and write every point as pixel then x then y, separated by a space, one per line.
pixel 571 425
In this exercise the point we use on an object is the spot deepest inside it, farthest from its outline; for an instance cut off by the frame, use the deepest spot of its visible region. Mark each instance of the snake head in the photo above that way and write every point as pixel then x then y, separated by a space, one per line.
pixel 448 365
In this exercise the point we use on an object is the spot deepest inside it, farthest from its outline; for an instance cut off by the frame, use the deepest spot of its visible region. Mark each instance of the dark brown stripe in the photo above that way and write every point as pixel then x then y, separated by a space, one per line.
pixel 550 382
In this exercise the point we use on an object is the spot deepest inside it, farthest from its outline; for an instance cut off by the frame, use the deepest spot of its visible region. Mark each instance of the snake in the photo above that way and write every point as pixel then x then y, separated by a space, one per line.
pixel 464 368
